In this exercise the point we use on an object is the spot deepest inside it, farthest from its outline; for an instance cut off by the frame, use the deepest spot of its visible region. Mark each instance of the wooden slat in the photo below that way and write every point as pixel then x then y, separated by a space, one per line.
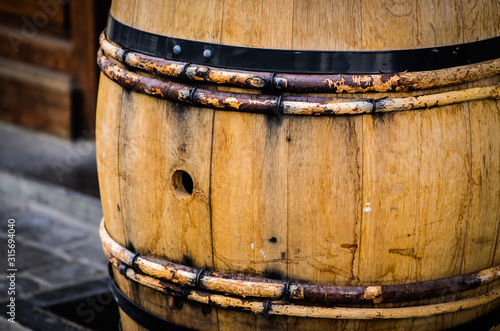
pixel 444 161
pixel 324 196
pixel 233 222
pixel 327 25
pixel 187 146
pixel 249 168
pixel 158 16
pixel 496 259
pixel 207 15
pixel 160 138
pixel 107 136
pixel 439 23
pixel 389 198
pixel 123 11
pixel 390 170
pixel 480 22
pixel 276 20
pixel 388 24
pixel 389 162
pixel 241 24
pixel 233 156
pixel 140 176
pixel 271 164
pixel 444 177
pixel 324 159
pixel 140 141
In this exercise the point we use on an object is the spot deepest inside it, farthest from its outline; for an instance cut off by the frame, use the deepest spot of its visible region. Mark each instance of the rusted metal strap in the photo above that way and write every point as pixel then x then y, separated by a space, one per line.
pixel 275 289
pixel 278 307
pixel 288 105
pixel 301 61
pixel 286 82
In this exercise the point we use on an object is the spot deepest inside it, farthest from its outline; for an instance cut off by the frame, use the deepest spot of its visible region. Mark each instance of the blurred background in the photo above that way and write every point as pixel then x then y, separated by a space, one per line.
pixel 48 176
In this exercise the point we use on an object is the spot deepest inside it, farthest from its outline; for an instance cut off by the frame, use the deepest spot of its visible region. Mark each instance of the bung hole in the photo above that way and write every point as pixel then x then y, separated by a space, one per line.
pixel 183 183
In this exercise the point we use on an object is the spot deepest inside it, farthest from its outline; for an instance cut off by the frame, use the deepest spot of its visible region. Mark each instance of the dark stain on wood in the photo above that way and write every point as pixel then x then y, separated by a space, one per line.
pixel 131 247
pixel 187 261
pixel 205 309
pixel 274 274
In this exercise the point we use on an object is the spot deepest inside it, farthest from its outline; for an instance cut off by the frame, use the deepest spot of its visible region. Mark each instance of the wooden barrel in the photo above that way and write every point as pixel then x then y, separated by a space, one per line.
pixel 285 195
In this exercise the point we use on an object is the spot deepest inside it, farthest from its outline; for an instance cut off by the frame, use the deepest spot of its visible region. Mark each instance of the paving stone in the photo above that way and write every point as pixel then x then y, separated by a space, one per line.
pixel 7 210
pixel 23 286
pixel 38 155
pixel 35 318
pixel 5 325
pixel 75 292
pixel 66 273
pixel 90 251
pixel 28 257
pixel 44 230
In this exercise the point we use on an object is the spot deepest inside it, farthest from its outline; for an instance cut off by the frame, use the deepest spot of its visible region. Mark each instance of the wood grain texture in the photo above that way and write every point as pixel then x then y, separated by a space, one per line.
pixel 107 138
pixel 206 14
pixel 445 153
pixel 388 24
pixel 241 25
pixel 249 168
pixel 389 167
pixel 111 192
pixel 271 164
pixel 402 176
pixel 324 158
pixel 163 222
pixel 482 239
pixel 340 21
pixel 387 253
pixel 322 164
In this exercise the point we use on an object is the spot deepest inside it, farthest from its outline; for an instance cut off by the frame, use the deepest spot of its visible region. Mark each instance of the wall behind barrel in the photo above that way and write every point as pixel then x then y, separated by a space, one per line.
pixel 48 75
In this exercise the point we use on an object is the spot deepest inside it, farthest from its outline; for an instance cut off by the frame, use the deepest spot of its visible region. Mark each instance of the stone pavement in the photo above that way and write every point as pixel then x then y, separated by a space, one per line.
pixel 49 159
pixel 60 270
pixel 52 250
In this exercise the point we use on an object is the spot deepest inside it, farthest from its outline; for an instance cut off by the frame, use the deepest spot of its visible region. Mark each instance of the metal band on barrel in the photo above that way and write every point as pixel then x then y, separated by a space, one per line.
pixel 140 315
pixel 172 274
pixel 279 307
pixel 286 82
pixel 301 61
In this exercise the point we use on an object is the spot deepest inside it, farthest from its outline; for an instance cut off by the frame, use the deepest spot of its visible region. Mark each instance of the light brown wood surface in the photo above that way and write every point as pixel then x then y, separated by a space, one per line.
pixel 349 200
pixel 480 245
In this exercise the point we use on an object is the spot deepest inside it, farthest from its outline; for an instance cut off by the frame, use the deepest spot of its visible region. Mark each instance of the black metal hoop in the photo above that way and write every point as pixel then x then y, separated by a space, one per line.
pixel 138 314
pixel 300 61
